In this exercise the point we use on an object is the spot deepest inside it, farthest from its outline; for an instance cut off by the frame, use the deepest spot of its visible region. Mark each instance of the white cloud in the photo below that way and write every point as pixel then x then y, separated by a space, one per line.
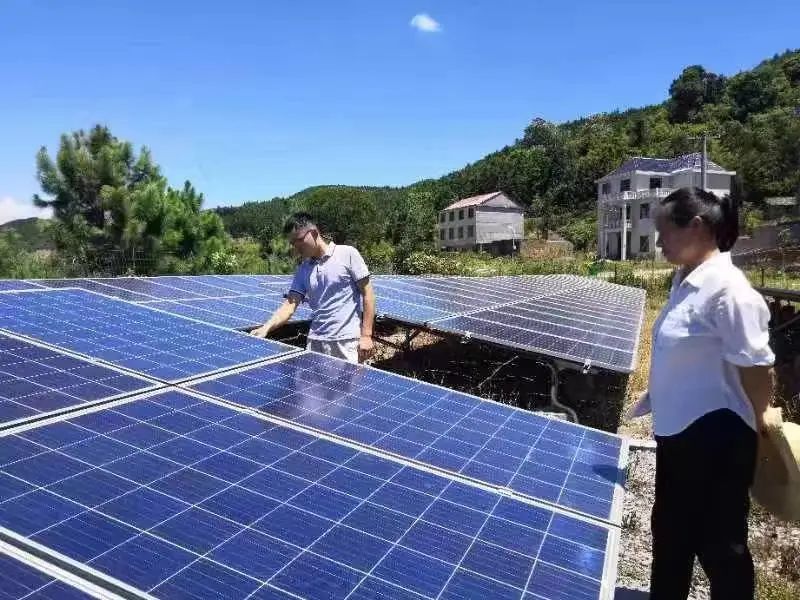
pixel 11 209
pixel 426 23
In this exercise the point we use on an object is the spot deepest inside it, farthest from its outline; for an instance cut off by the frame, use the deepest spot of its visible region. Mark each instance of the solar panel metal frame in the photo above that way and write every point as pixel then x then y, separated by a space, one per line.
pixel 614 518
pixel 289 352
pixel 48 567
pixel 153 384
pixel 83 571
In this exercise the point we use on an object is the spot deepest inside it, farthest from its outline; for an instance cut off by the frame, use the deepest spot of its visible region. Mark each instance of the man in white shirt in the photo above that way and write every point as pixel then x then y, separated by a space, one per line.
pixel 334 280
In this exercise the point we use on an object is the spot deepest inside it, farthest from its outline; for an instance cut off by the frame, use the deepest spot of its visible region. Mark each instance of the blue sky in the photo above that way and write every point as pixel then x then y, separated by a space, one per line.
pixel 255 99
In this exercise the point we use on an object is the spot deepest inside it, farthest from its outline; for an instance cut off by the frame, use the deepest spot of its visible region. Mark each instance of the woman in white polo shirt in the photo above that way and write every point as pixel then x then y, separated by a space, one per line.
pixel 710 382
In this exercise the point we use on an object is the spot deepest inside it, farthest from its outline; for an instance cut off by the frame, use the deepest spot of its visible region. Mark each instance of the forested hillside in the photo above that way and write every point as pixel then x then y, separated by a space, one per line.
pixel 754 116
pixel 114 211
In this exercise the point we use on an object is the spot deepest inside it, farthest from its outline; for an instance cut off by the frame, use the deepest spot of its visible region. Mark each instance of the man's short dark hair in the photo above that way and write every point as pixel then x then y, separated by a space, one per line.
pixel 298 221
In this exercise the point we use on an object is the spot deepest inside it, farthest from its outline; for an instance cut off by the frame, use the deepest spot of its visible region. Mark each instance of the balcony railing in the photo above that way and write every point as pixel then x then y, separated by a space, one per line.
pixel 638 195
pixel 616 224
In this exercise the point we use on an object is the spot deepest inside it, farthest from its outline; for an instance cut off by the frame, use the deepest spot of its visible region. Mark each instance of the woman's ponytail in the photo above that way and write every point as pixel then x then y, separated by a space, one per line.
pixel 727 231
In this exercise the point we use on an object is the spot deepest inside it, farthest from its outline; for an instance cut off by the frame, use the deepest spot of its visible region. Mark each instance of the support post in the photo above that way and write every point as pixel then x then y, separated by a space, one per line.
pixel 624 237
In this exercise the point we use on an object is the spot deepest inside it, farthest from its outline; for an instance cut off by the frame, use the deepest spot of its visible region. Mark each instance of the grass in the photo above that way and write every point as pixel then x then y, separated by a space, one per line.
pixel 638 380
pixel 770 587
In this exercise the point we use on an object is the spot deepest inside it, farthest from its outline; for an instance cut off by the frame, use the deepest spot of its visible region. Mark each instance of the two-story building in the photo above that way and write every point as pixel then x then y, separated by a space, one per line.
pixel 492 222
pixel 628 196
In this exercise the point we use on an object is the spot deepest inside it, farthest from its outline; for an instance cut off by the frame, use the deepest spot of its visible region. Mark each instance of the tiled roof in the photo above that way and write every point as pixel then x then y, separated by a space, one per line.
pixel 665 165
pixel 473 200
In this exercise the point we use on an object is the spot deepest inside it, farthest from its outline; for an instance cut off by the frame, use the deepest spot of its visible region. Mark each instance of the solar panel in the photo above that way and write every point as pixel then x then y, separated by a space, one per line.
pixel 187 309
pixel 95 286
pixel 131 336
pixel 242 312
pixel 16 284
pixel 576 319
pixel 422 300
pixel 20 580
pixel 175 496
pixel 546 459
pixel 597 325
pixel 36 381
pixel 149 286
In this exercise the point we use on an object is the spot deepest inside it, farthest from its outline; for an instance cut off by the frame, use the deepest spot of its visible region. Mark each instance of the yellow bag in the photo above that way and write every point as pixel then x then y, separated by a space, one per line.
pixel 776 486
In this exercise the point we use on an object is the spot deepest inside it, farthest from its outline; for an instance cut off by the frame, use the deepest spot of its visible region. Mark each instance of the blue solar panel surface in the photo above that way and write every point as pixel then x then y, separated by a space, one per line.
pixel 568 465
pixel 180 497
pixel 578 319
pixel 16 284
pixel 19 581
pixel 160 345
pixel 35 381
pixel 95 286
pixel 229 301
pixel 597 324
pixel 241 312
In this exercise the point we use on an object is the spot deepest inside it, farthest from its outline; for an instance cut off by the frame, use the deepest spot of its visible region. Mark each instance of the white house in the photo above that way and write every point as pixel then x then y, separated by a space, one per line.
pixel 492 222
pixel 635 189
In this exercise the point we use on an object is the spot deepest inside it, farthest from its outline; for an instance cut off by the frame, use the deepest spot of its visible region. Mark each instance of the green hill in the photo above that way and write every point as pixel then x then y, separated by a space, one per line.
pixel 29 234
pixel 551 168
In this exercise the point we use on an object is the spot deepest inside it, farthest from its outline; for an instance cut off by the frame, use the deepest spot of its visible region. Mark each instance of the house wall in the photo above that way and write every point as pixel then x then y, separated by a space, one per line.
pixel 458 221
pixel 493 224
pixel 489 222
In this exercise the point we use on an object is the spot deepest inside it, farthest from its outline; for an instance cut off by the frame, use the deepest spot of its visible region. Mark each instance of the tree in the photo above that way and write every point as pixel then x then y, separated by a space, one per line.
pixel 694 88
pixel 415 224
pixel 753 92
pixel 346 215
pixel 108 202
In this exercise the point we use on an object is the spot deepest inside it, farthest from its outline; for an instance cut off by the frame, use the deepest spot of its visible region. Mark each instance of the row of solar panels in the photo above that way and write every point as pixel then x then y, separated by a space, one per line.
pixel 204 462
pixel 578 319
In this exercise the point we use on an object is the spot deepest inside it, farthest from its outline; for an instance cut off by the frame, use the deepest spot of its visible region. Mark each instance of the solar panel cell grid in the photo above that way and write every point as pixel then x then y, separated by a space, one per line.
pixel 275 511
pixel 19 580
pixel 599 350
pixel 100 288
pixel 148 287
pixel 36 381
pixel 541 458
pixel 185 309
pixel 16 284
pixel 160 345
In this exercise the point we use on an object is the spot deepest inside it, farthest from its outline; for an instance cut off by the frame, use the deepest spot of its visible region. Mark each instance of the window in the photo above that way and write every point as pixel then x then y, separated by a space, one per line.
pixel 644 243
pixel 606 189
pixel 470 231
pixel 655 183
pixel 625 185
pixel 461 233
pixel 644 211
pixel 450 233
pixel 441 218
pixel 441 234
pixel 461 215
pixel 471 213
pixel 452 215
pixel 627 212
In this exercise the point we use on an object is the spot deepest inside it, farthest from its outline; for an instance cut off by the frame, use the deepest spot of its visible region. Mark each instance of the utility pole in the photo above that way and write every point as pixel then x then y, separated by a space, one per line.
pixel 704 158
pixel 703 180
